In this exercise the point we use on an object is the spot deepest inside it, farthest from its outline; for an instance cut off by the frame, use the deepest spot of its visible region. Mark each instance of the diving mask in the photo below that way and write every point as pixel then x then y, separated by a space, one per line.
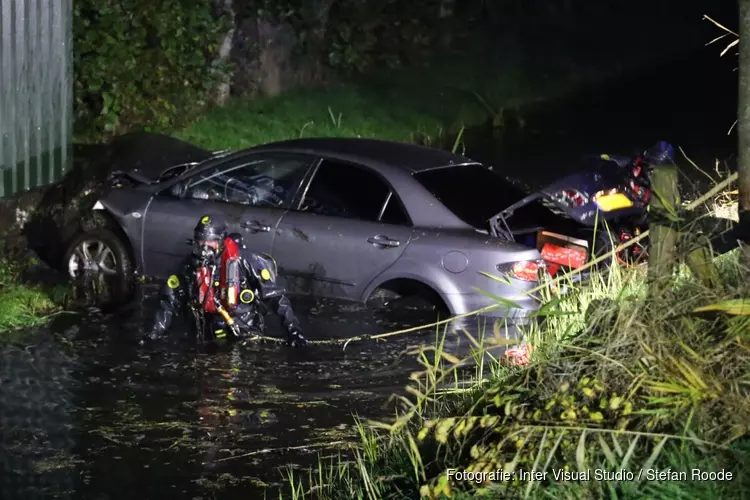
pixel 206 250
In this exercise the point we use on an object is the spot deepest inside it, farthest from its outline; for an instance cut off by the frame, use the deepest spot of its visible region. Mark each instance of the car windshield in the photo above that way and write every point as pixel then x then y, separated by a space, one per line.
pixel 473 192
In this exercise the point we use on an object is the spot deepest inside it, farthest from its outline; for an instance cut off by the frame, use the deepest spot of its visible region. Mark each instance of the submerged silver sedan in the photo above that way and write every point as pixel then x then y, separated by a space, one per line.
pixel 343 218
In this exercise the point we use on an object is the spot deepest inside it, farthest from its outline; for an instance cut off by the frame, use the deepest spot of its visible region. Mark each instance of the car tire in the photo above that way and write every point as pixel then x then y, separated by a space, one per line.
pixel 100 267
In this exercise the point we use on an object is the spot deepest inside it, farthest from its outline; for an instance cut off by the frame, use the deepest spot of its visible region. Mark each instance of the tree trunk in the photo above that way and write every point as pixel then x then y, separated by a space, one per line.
pixel 225 52
pixel 447 9
pixel 743 125
pixel 324 12
pixel 317 43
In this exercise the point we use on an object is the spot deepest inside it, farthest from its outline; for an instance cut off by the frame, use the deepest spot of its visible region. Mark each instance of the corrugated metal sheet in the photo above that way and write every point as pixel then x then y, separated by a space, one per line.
pixel 36 85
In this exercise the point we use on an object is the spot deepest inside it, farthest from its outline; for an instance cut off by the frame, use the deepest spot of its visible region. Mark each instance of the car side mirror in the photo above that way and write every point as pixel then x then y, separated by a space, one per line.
pixel 190 241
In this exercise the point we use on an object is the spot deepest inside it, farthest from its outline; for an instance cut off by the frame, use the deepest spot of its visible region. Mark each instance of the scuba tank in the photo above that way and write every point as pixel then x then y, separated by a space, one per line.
pixel 218 286
pixel 216 283
pixel 229 281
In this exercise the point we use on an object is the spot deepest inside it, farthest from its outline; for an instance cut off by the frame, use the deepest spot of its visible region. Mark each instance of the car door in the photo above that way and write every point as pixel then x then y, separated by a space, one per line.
pixel 248 194
pixel 348 228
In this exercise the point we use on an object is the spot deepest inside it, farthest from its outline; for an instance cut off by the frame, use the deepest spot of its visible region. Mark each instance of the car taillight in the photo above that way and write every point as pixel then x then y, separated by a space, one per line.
pixel 525 270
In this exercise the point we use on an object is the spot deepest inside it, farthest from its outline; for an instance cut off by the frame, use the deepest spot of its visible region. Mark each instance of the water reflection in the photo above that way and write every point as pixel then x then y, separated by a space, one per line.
pixel 87 412
pixel 174 420
pixel 37 386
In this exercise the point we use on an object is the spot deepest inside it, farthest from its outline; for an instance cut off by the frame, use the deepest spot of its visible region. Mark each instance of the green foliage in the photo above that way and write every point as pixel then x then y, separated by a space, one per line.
pixel 367 35
pixel 427 105
pixel 140 62
pixel 353 35
pixel 22 305
pixel 149 64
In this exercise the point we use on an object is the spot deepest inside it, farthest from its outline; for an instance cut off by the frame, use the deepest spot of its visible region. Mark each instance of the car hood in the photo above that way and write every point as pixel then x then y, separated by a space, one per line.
pixel 65 203
pixel 147 156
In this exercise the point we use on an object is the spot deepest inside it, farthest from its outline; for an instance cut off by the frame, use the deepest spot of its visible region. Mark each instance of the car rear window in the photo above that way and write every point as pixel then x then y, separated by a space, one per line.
pixel 473 192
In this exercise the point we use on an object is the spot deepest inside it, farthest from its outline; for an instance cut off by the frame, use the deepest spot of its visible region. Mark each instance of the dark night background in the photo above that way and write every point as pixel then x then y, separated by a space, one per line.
pixel 582 77
pixel 533 84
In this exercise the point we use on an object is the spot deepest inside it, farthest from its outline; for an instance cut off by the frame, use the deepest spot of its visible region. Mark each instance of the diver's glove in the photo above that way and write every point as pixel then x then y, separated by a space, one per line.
pixel 296 338
pixel 148 338
pixel 237 333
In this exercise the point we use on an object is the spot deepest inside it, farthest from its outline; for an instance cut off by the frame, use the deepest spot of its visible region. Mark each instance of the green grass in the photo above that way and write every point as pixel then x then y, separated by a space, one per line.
pixel 24 305
pixel 426 104
pixel 618 381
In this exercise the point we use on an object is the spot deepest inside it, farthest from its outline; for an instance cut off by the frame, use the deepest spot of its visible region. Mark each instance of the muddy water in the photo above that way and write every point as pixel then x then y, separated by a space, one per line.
pixel 175 421
pixel 92 415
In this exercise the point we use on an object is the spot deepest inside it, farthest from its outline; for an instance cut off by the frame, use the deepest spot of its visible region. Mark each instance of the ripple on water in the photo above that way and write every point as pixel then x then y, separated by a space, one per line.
pixel 173 419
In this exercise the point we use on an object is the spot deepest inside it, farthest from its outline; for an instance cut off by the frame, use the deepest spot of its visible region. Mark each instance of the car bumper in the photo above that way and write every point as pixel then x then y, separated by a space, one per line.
pixel 466 303
pixel 485 324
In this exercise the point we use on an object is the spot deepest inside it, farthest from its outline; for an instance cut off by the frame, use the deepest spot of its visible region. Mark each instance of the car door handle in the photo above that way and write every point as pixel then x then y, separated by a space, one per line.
pixel 255 226
pixel 383 240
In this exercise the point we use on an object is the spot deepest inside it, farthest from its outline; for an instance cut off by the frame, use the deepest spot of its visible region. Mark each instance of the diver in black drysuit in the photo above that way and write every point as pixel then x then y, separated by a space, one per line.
pixel 258 286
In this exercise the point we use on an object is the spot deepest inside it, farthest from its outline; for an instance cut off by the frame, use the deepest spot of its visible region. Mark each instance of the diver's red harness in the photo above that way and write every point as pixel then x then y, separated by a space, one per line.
pixel 228 280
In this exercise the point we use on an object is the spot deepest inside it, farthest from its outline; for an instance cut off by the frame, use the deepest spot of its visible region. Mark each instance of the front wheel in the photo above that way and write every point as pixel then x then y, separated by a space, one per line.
pixel 100 267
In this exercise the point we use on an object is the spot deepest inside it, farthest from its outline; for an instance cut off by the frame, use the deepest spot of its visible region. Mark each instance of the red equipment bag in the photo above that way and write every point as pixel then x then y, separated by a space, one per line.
pixel 572 257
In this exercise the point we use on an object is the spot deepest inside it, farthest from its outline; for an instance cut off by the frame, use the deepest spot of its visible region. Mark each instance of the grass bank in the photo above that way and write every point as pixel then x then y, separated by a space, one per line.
pixel 619 382
pixel 399 107
pixel 424 104
pixel 22 304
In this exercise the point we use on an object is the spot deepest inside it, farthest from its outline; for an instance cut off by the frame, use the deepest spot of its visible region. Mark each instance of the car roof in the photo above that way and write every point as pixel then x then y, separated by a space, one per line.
pixel 408 156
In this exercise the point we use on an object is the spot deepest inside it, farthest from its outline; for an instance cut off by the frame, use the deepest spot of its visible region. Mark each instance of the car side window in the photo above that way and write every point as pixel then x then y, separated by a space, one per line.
pixel 343 190
pixel 394 212
pixel 267 181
